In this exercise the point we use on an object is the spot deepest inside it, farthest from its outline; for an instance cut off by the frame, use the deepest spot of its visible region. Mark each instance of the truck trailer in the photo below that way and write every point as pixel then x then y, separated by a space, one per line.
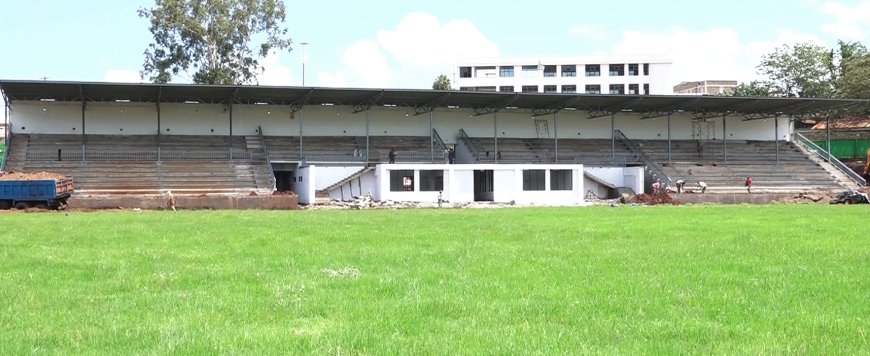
pixel 43 193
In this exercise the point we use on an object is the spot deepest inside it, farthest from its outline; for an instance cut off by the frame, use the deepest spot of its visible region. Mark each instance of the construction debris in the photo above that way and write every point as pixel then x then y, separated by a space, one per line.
pixel 11 175
pixel 655 199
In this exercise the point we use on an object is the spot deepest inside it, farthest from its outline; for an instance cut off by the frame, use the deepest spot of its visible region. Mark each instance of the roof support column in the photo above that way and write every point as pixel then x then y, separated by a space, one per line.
pixel 613 138
pixel 556 136
pixel 158 130
pixel 368 144
pixel 495 134
pixel 724 140
pixel 828 137
pixel 83 129
pixel 431 139
pixel 301 151
pixel 669 139
pixel 776 133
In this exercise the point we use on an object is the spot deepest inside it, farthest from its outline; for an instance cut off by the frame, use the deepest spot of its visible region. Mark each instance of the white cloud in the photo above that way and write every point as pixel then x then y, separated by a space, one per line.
pixel 588 31
pixel 851 22
pixel 122 76
pixel 274 73
pixel 410 56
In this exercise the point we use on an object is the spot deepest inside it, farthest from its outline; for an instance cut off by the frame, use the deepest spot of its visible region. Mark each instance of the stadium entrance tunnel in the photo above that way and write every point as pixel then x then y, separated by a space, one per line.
pixel 483 185
pixel 285 176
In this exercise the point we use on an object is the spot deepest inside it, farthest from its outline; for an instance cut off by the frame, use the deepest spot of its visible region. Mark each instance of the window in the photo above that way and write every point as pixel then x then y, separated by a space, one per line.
pixel 617 70
pixel 633 70
pixel 646 89
pixel 593 70
pixel 530 71
pixel 467 88
pixel 569 71
pixel 569 89
pixel 465 72
pixel 530 88
pixel 483 181
pixel 593 89
pixel 431 181
pixel 617 89
pixel 506 89
pixel 646 69
pixel 549 88
pixel 506 72
pixel 486 88
pixel 634 89
pixel 533 179
pixel 561 179
pixel 549 71
pixel 402 180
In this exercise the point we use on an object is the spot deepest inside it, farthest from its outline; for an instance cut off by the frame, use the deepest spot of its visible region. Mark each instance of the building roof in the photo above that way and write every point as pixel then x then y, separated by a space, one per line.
pixel 853 123
pixel 421 100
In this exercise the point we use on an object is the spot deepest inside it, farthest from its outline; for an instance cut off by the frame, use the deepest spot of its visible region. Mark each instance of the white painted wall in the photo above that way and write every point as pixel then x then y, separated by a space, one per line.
pixel 194 119
pixel 327 176
pixel 305 182
pixel 53 117
pixel 365 184
pixel 121 118
pixel 276 120
pixel 459 184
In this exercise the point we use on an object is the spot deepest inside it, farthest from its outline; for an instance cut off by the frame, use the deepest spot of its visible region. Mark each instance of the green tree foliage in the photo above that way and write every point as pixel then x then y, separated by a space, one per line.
pixel 852 71
pixel 219 41
pixel 441 83
pixel 753 88
pixel 802 70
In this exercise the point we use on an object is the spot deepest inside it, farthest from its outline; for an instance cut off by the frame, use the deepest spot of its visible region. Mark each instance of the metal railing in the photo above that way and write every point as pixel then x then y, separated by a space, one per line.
pixel 137 155
pixel 654 169
pixel 440 147
pixel 6 152
pixel 268 160
pixel 828 157
pixel 469 144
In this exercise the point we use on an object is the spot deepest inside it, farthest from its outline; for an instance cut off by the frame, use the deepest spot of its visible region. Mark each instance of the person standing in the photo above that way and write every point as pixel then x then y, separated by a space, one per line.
pixel 172 201
pixel 703 186
pixel 451 156
pixel 392 155
pixel 748 184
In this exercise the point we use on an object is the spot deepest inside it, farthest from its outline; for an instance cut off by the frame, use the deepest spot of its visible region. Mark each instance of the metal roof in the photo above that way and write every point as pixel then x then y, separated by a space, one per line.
pixel 421 100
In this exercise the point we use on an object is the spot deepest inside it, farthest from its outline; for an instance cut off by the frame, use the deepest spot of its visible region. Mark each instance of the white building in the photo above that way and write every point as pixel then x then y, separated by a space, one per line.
pixel 633 75
pixel 706 87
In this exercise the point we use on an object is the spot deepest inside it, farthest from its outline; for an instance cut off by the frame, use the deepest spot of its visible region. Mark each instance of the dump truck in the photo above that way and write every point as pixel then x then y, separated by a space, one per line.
pixel 43 191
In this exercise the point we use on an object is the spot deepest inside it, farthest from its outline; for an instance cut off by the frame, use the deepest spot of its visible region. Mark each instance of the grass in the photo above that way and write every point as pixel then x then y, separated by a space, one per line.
pixel 674 280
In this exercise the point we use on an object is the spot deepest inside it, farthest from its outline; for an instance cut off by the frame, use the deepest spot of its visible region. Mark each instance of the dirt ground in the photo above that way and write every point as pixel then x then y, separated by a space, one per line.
pixel 30 176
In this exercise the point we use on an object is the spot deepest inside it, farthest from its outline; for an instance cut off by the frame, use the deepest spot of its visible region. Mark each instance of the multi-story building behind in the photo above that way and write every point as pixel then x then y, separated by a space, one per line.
pixel 706 87
pixel 585 75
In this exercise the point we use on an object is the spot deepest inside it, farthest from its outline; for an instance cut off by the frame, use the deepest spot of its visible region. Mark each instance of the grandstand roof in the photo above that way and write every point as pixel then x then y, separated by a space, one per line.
pixel 421 100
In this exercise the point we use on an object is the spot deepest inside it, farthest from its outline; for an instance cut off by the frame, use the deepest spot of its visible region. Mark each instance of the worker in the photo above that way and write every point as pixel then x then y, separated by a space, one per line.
pixel 748 184
pixel 392 155
pixel 172 201
pixel 680 183
pixel 656 186
pixel 703 186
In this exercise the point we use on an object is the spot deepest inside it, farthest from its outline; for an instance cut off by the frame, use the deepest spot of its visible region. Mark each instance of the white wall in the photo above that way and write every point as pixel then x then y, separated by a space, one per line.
pixel 121 118
pixel 194 119
pixel 276 120
pixel 459 184
pixel 365 184
pixel 304 186
pixel 46 117
pixel 327 176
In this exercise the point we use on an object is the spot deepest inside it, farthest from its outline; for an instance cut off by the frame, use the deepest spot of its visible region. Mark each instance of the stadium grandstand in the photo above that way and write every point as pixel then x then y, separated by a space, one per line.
pixel 198 139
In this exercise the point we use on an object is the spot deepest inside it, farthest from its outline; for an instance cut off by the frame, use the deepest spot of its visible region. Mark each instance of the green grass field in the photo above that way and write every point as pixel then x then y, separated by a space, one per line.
pixel 630 280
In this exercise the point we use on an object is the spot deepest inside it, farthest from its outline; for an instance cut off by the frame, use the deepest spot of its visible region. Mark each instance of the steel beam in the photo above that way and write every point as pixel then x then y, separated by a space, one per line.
pixel 432 105
pixel 495 107
pixel 298 104
pixel 366 104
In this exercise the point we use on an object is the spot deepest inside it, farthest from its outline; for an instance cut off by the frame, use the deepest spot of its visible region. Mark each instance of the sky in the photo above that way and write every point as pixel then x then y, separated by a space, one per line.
pixel 407 44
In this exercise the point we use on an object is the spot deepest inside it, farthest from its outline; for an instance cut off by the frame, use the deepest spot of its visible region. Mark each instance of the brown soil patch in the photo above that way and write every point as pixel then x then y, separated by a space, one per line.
pixel 31 176
pixel 650 199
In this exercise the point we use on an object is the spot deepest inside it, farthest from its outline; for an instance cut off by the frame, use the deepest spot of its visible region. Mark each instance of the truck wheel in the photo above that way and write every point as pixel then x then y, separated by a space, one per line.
pixel 41 206
pixel 21 205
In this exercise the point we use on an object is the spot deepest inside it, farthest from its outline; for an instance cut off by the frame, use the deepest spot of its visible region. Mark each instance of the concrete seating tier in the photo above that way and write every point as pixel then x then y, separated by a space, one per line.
pixel 739 152
pixel 409 149
pixel 536 150
pixel 189 164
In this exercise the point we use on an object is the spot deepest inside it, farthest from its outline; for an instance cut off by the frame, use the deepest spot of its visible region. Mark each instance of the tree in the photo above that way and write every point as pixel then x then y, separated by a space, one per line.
pixel 441 83
pixel 754 88
pixel 215 39
pixel 802 70
pixel 852 71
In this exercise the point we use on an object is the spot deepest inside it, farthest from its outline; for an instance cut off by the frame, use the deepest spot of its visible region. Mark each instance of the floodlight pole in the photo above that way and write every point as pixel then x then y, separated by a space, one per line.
pixel 303 61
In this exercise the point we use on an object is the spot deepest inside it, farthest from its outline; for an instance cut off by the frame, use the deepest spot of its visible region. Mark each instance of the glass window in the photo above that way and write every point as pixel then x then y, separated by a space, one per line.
pixel 634 89
pixel 617 70
pixel 465 72
pixel 569 70
pixel 593 89
pixel 505 72
pixel 402 180
pixel 569 89
pixel 646 89
pixel 561 179
pixel 593 70
pixel 646 69
pixel 506 89
pixel 549 88
pixel 617 89
pixel 530 88
pixel 549 71
pixel 633 70
pixel 431 180
pixel 533 179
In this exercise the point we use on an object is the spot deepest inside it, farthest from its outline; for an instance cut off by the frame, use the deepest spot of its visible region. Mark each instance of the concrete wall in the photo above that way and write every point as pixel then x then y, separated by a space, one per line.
pixel 327 176
pixel 194 119
pixel 46 117
pixel 631 177
pixel 121 118
pixel 305 183
pixel 184 202
pixel 361 186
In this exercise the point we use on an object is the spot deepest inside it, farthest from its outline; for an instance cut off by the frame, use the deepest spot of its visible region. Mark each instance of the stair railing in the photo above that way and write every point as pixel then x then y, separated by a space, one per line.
pixel 657 173
pixel 268 160
pixel 820 152
pixel 441 147
pixel 463 137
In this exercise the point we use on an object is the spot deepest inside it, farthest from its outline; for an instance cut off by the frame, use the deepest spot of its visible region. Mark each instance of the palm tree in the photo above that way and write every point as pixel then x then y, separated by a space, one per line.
pixel 441 83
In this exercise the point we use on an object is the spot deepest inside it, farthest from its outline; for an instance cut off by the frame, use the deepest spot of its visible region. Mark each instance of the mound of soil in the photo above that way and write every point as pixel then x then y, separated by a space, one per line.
pixel 650 199
pixel 30 176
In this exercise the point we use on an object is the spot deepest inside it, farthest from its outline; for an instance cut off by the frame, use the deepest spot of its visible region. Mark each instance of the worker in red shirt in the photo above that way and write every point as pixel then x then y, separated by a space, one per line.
pixel 748 184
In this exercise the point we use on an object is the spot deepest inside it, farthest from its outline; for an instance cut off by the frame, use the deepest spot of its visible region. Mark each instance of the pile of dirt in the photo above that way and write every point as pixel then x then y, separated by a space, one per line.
pixel 650 199
pixel 288 192
pixel 31 176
